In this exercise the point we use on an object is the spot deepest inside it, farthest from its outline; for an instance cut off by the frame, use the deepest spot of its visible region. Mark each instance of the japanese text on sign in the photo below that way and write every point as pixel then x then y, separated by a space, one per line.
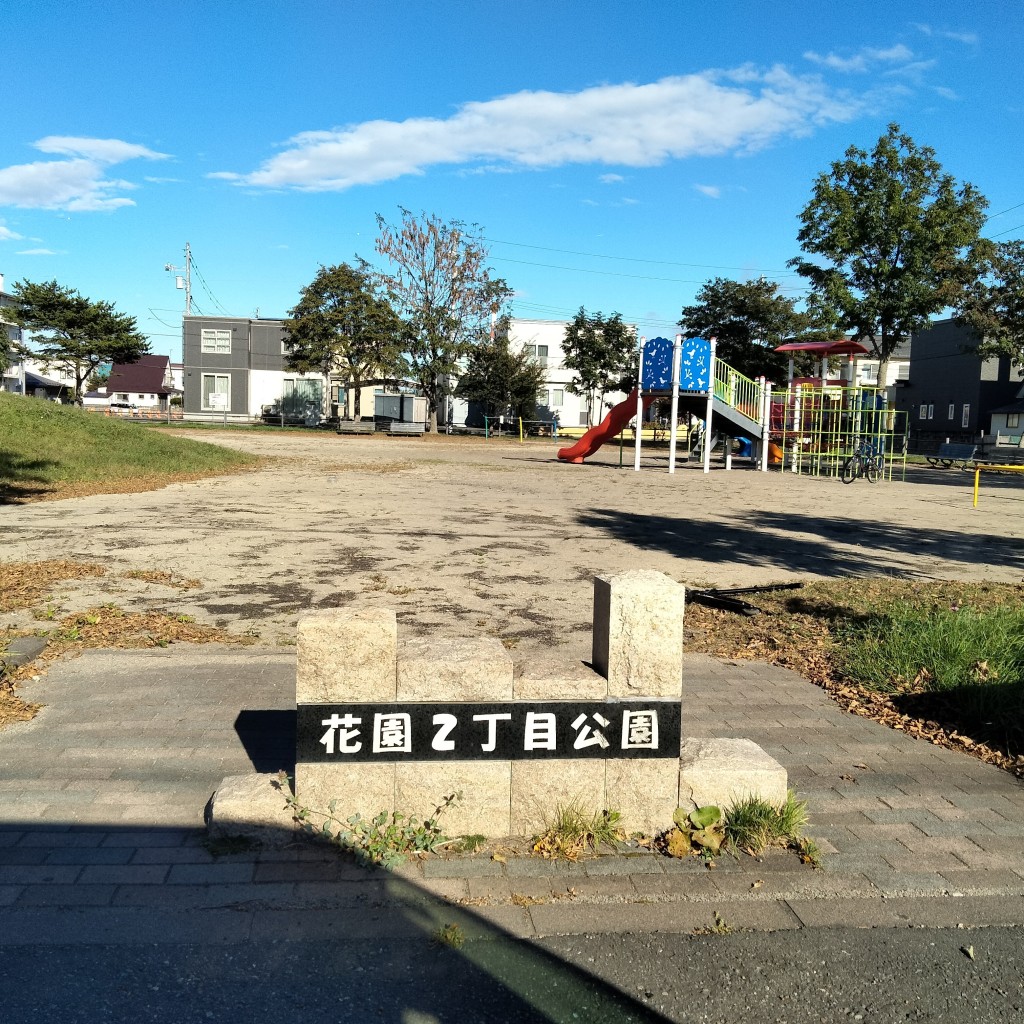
pixel 512 731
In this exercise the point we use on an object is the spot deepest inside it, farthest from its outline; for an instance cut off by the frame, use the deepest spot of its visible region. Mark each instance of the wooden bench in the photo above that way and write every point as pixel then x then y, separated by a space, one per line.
pixel 356 427
pixel 397 429
pixel 954 454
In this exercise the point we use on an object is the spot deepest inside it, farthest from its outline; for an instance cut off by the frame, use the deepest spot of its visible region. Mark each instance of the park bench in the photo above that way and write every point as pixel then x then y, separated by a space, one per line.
pixel 399 429
pixel 356 427
pixel 954 454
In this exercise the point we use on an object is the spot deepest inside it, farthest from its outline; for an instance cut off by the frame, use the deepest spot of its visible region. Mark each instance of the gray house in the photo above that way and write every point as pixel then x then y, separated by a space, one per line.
pixel 951 391
pixel 235 366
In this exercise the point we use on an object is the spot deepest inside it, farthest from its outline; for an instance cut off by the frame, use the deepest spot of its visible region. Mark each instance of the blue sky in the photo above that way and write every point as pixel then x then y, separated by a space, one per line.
pixel 616 155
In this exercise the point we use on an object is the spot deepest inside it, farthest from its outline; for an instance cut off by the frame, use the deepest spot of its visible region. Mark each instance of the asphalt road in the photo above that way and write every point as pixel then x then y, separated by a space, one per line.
pixel 813 975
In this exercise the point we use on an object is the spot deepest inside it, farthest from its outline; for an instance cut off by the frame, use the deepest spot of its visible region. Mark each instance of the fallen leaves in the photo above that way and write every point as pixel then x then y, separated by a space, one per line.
pixel 24 584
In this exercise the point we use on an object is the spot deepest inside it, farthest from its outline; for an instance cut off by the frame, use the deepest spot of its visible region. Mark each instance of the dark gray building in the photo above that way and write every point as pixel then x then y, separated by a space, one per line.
pixel 951 391
pixel 236 366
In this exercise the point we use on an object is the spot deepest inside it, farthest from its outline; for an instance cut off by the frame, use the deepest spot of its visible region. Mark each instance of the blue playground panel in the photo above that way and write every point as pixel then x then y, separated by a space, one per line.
pixel 695 365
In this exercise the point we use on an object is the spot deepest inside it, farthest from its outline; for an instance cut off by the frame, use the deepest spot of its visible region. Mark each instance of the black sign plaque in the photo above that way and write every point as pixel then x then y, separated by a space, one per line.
pixel 510 731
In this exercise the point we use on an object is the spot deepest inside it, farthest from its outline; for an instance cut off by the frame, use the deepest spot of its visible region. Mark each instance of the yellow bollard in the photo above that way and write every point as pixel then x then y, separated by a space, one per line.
pixel 520 429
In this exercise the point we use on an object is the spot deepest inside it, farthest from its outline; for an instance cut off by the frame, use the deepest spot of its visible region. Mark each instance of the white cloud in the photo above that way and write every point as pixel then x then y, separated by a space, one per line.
pixel 37 252
pixel 711 191
pixel 78 183
pixel 7 235
pixel 611 179
pixel 863 60
pixel 630 125
pixel 967 38
pixel 946 94
pixel 104 151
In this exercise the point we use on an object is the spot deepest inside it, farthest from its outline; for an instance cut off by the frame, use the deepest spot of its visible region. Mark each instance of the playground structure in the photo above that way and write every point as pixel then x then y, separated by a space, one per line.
pixel 811 426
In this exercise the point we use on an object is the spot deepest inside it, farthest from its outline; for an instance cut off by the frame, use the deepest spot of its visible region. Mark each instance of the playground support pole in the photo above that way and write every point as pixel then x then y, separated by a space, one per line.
pixel 766 414
pixel 639 401
pixel 677 352
pixel 797 427
pixel 520 429
pixel 710 406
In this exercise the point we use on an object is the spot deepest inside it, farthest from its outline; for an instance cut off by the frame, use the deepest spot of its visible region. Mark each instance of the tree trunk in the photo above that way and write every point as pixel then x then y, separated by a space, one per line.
pixel 357 405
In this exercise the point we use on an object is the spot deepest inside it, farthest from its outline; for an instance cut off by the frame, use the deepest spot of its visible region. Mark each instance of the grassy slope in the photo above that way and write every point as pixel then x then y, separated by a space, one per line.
pixel 49 450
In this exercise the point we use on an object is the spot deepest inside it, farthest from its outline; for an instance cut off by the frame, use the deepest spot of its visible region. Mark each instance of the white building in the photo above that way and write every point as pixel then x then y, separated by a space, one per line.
pixel 542 340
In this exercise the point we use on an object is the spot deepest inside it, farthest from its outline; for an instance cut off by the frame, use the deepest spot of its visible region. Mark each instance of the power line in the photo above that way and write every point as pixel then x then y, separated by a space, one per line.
pixel 1009 209
pixel 628 259
pixel 615 273
pixel 207 289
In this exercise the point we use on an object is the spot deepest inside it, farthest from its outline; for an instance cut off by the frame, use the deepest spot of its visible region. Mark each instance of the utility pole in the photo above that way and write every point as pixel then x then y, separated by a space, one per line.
pixel 186 280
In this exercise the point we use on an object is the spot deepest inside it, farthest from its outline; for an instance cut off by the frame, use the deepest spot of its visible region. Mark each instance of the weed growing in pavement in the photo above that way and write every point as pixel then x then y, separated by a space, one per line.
pixel 468 844
pixel 386 839
pixel 450 935
pixel 225 846
pixel 720 927
pixel 751 825
pixel 573 830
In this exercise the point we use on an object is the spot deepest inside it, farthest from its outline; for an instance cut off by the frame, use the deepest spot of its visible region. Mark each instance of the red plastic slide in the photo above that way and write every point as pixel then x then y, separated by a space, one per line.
pixel 611 426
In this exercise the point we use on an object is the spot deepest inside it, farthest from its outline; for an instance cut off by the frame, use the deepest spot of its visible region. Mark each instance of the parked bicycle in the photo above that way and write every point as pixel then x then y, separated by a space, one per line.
pixel 864 462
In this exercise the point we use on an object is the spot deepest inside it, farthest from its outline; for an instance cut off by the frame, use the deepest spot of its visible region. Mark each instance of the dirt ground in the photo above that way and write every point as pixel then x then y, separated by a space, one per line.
pixel 468 537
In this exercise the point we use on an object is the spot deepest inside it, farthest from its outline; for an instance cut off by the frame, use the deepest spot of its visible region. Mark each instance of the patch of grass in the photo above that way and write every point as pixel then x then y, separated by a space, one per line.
pixel 867 640
pixel 450 935
pixel 973 656
pixel 751 825
pixel 55 451
pixel 468 844
pixel 226 846
pixel 573 830
pixel 754 825
pixel 720 927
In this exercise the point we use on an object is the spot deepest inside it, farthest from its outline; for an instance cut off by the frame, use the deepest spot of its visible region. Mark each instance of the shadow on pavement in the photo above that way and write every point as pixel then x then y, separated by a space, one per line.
pixel 137 923
pixel 800 542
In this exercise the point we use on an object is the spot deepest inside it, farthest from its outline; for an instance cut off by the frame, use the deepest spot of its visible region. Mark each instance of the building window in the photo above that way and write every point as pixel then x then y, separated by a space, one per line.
pixel 557 397
pixel 1012 420
pixel 216 341
pixel 926 411
pixel 952 411
pixel 216 392
pixel 120 397
pixel 537 353
pixel 869 373
pixel 931 411
pixel 965 420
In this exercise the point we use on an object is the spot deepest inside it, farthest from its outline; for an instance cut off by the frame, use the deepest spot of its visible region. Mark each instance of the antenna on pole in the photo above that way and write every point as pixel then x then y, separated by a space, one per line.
pixel 183 282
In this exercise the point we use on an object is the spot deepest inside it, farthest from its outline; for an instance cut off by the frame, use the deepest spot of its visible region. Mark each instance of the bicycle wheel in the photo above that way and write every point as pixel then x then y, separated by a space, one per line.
pixel 871 471
pixel 851 468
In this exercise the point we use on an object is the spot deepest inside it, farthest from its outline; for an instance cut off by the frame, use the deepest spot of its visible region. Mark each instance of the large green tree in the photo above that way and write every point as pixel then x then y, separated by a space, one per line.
pixel 892 241
pixel 601 351
pixel 503 381
pixel 994 304
pixel 75 333
pixel 748 319
pixel 342 326
pixel 440 284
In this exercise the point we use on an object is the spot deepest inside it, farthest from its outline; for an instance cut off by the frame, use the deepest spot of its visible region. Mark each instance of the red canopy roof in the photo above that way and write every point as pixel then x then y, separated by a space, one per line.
pixel 843 347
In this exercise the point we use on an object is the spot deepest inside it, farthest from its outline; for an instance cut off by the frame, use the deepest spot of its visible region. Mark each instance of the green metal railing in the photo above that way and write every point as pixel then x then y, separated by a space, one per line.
pixel 739 392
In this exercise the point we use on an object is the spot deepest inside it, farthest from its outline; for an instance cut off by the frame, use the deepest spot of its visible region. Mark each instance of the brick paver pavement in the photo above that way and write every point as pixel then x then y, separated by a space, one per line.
pixel 102 799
